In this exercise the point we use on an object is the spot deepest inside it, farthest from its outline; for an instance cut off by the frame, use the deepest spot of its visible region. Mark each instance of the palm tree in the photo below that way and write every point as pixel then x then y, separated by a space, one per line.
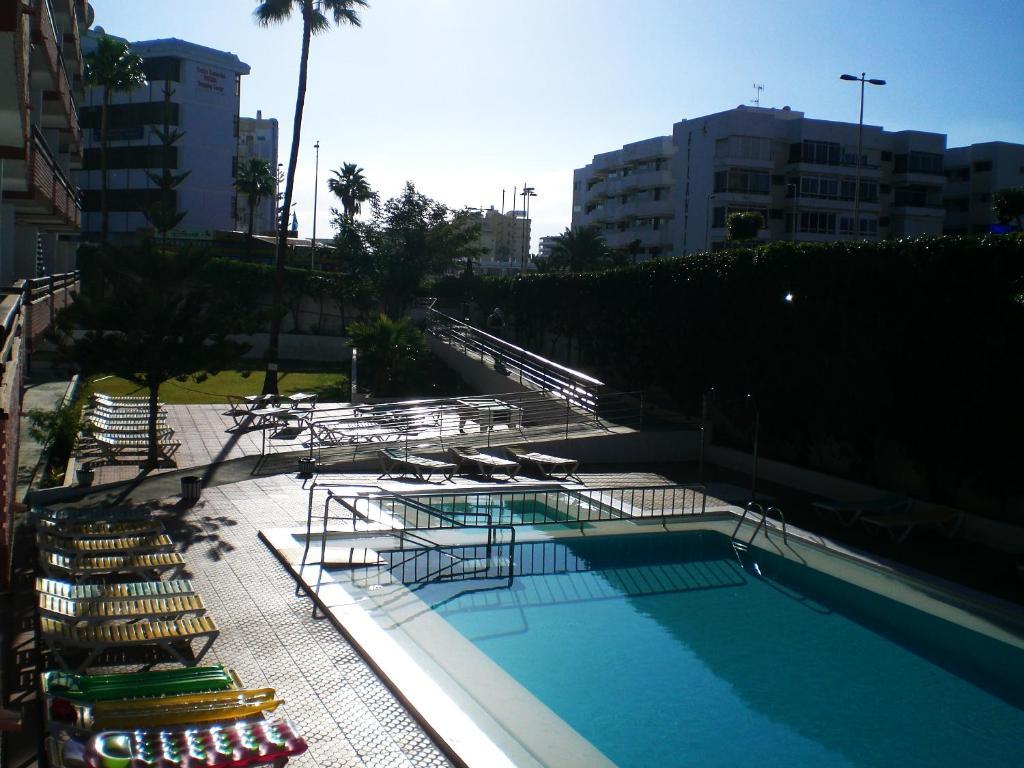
pixel 113 67
pixel 314 21
pixel 257 181
pixel 351 187
pixel 389 352
pixel 580 249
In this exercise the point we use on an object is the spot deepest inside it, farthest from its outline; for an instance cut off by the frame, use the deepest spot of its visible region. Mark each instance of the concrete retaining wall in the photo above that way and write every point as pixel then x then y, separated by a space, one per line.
pixel 293 346
pixel 480 376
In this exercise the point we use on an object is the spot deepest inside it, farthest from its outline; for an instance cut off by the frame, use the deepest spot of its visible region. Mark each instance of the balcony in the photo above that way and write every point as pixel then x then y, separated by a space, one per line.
pixel 922 178
pixel 50 75
pixel 51 200
pixel 641 180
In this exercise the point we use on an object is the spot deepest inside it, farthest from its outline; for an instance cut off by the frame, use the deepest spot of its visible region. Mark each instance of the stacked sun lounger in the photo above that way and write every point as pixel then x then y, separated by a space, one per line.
pixel 181 717
pixel 116 429
pixel 86 609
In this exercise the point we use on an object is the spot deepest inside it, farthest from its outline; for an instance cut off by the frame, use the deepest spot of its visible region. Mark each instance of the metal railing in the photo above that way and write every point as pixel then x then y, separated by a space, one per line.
pixel 16 333
pixel 529 368
pixel 757 509
pixel 434 519
pixel 412 518
pixel 551 505
pixel 437 424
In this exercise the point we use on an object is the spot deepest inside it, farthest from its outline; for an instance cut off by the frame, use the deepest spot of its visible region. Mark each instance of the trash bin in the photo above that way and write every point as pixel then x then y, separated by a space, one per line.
pixel 85 475
pixel 307 466
pixel 191 487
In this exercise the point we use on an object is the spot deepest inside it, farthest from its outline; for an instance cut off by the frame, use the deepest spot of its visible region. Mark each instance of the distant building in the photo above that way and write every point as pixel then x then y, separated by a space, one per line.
pixel 40 138
pixel 674 193
pixel 547 245
pixel 205 87
pixel 257 137
pixel 973 174
pixel 506 238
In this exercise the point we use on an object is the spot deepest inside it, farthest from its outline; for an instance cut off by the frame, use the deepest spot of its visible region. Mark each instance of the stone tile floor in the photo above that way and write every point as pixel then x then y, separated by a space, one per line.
pixel 268 636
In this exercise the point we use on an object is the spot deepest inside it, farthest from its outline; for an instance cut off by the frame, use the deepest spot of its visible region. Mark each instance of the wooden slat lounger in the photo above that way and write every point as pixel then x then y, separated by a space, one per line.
pixel 114 448
pixel 485 463
pixel 849 512
pixel 90 514
pixel 106 545
pixel 90 566
pixel 900 524
pixel 130 608
pixel 98 638
pixel 547 465
pixel 395 463
pixel 100 529
pixel 117 591
pixel 100 398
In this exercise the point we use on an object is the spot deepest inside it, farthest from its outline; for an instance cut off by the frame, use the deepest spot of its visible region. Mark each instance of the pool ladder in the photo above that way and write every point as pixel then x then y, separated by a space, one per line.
pixel 756 509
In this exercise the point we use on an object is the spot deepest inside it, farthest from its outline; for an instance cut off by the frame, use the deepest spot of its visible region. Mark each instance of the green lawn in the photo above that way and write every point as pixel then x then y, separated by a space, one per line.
pixel 331 386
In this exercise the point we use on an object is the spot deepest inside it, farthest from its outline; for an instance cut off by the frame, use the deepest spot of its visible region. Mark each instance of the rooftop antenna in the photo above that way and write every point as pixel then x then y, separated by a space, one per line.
pixel 756 101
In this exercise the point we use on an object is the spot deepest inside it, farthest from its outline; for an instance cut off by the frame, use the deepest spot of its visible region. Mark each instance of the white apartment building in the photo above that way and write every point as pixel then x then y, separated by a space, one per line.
pixel 547 246
pixel 674 194
pixel 205 88
pixel 627 193
pixel 973 173
pixel 257 137
pixel 506 238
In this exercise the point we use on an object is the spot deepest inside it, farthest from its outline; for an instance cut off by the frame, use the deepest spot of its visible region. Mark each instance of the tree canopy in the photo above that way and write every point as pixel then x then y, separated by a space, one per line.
pixel 1008 206
pixel 155 316
pixel 350 186
pixel 408 237
pixel 579 250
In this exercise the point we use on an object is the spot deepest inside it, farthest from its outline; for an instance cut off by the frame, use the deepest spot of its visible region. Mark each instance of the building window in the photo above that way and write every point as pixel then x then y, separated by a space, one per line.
pixel 919 162
pixel 913 196
pixel 151 156
pixel 126 200
pixel 162 68
pixel 819 152
pixel 745 147
pixel 868 226
pixel 981 166
pixel 123 116
pixel 814 222
pixel 743 181
pixel 886 156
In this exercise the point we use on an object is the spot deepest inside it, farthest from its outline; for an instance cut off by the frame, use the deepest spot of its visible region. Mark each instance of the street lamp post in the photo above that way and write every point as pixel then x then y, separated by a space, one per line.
pixel 527 193
pixel 860 144
pixel 316 185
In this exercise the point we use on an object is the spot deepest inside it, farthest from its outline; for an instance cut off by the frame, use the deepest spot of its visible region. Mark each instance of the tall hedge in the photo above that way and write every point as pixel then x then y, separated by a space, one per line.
pixel 899 363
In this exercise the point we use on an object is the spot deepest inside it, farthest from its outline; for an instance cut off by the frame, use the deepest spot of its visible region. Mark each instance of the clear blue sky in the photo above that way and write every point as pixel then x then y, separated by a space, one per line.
pixel 469 97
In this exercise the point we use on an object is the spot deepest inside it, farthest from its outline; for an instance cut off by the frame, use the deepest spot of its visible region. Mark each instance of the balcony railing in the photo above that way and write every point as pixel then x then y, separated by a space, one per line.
pixel 48 177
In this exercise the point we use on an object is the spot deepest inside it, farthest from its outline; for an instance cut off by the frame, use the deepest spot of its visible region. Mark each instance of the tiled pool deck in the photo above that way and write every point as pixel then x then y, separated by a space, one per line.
pixel 268 635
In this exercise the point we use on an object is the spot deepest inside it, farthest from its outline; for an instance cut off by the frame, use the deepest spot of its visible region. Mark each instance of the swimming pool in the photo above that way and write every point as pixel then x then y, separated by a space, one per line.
pixel 500 508
pixel 660 649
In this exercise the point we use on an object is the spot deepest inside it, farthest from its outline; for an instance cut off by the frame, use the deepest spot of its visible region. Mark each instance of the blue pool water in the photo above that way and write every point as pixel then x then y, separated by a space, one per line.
pixel 529 510
pixel 662 651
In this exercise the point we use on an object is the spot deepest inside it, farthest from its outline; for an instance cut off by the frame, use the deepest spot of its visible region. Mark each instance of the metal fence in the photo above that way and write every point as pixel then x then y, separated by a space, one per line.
pixel 27 309
pixel 529 368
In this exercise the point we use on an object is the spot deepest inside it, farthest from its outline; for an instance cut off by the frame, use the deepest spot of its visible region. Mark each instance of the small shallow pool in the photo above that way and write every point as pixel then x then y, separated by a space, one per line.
pixel 660 649
pixel 502 508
